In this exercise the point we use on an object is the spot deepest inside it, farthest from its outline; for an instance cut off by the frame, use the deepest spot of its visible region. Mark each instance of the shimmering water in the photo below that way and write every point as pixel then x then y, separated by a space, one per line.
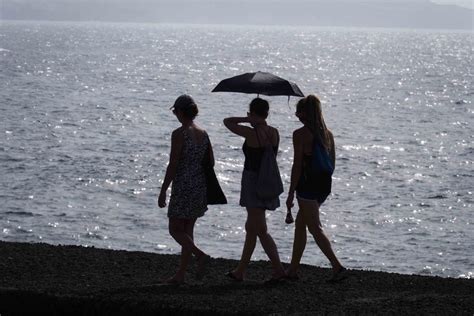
pixel 85 134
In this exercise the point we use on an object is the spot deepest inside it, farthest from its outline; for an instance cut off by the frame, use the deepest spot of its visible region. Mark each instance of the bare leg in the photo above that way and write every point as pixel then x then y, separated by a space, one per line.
pixel 249 247
pixel 310 211
pixel 186 254
pixel 177 228
pixel 257 215
pixel 299 244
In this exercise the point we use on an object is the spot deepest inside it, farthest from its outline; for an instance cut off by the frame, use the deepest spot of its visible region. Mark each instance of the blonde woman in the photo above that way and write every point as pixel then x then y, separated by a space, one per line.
pixel 311 177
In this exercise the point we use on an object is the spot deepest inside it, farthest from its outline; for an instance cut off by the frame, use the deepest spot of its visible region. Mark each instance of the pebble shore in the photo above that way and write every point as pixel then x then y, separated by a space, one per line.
pixel 43 279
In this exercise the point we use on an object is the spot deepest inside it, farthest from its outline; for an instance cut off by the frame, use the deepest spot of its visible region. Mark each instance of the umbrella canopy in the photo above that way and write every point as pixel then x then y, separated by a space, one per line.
pixel 260 83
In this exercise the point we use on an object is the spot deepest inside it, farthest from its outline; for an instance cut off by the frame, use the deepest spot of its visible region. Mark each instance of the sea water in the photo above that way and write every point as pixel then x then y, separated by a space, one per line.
pixel 85 133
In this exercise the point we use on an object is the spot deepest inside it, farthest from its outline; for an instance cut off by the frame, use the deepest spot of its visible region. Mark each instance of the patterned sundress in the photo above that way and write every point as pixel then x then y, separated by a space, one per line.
pixel 188 192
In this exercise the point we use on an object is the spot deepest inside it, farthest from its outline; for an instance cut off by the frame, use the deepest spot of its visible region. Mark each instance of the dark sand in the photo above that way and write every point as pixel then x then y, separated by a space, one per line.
pixel 41 279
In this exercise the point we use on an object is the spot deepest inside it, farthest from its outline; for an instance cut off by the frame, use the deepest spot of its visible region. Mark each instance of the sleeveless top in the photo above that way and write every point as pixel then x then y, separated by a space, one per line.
pixel 188 192
pixel 253 155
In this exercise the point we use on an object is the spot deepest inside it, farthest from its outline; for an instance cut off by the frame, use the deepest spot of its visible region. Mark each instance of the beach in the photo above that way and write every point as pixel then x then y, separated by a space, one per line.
pixel 37 278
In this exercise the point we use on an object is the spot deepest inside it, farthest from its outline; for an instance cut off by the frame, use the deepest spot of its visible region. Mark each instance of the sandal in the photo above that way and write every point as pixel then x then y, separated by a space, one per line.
pixel 275 280
pixel 340 275
pixel 232 276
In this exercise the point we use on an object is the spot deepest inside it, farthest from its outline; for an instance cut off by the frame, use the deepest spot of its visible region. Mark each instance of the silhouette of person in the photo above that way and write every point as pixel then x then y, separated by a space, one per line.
pixel 311 189
pixel 256 137
pixel 189 144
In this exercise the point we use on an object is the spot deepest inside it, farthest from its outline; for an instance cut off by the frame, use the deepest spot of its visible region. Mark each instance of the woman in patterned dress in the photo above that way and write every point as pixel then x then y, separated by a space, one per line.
pixel 189 145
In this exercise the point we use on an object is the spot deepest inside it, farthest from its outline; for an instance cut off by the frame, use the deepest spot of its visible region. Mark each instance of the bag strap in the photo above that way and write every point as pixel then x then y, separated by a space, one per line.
pixel 269 139
pixel 258 138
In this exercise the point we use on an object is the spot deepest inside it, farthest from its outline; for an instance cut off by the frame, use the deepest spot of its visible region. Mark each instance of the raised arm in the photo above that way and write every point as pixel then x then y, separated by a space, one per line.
pixel 177 140
pixel 233 124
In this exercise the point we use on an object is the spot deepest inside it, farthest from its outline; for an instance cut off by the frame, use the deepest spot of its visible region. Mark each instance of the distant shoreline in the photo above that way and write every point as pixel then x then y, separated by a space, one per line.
pixel 366 14
pixel 73 280
pixel 250 26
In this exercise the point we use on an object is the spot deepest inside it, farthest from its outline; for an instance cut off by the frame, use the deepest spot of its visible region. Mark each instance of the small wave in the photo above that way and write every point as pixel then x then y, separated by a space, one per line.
pixel 20 229
pixel 22 213
pixel 5 50
pixel 438 196
pixel 92 235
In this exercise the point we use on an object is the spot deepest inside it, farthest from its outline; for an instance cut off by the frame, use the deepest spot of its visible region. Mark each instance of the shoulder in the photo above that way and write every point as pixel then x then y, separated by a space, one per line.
pixel 178 134
pixel 299 133
pixel 200 130
pixel 273 130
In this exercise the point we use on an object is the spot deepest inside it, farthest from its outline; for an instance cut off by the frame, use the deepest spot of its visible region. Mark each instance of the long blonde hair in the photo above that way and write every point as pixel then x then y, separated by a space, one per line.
pixel 313 119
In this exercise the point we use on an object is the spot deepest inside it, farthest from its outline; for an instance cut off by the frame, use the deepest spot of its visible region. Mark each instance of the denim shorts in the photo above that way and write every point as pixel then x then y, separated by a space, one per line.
pixel 317 189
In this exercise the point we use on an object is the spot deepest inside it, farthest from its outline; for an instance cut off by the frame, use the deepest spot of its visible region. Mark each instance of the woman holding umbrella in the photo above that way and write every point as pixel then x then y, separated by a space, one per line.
pixel 311 176
pixel 259 135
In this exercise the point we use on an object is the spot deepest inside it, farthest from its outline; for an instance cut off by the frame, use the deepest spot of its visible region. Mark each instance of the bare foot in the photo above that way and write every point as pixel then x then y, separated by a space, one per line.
pixel 292 275
pixel 276 279
pixel 339 275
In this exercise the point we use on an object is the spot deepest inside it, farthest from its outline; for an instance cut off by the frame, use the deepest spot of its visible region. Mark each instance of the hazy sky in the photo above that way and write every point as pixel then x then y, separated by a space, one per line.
pixel 468 3
pixel 463 3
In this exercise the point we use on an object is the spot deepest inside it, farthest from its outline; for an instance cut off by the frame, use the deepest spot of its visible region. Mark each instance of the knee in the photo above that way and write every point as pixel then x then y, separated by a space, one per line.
pixel 255 229
pixel 173 229
pixel 262 232
pixel 316 230
pixel 250 229
pixel 299 220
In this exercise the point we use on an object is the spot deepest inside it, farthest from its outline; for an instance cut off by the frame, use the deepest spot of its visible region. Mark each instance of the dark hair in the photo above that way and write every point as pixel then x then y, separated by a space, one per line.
pixel 311 107
pixel 186 105
pixel 190 112
pixel 260 107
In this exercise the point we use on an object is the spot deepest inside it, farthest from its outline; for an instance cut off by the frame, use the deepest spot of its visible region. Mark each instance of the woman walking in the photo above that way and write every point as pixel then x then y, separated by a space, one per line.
pixel 189 145
pixel 311 178
pixel 259 135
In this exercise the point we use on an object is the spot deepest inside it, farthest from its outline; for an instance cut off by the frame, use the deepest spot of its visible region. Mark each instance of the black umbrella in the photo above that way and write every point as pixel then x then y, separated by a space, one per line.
pixel 260 83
